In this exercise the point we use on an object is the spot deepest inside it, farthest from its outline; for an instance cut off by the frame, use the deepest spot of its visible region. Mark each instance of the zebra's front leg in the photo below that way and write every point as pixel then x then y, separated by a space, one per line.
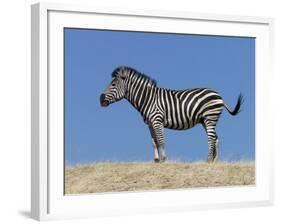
pixel 157 133
pixel 156 153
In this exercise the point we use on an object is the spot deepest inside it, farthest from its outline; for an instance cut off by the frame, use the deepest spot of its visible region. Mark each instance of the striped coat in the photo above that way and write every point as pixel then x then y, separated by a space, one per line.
pixel 165 108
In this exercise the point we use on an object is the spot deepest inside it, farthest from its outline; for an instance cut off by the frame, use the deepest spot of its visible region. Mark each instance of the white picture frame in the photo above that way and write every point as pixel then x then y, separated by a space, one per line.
pixel 48 200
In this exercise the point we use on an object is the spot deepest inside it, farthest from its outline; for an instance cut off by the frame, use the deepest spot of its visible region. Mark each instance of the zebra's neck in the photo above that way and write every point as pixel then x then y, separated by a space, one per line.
pixel 141 94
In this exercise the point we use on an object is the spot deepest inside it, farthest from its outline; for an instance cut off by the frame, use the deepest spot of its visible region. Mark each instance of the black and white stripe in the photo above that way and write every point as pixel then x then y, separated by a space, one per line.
pixel 165 108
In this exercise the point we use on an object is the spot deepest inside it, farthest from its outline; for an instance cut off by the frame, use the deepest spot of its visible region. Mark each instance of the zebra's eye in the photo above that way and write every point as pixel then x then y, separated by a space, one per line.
pixel 113 84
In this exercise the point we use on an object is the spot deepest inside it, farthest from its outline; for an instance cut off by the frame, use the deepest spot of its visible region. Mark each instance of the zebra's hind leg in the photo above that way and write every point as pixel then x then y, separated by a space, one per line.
pixel 163 156
pixel 211 151
pixel 216 150
pixel 213 141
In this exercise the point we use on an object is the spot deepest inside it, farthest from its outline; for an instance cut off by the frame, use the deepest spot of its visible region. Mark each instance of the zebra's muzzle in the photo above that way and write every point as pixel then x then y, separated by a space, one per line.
pixel 103 101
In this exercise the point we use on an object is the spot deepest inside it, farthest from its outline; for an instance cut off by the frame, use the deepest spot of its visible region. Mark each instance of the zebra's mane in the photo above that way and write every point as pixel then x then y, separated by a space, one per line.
pixel 128 70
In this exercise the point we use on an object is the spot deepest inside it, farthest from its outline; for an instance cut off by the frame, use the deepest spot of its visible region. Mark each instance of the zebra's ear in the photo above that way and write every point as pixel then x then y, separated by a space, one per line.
pixel 120 72
pixel 123 77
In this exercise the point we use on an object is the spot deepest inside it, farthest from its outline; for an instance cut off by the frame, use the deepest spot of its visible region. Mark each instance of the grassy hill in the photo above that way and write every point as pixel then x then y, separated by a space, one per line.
pixel 138 176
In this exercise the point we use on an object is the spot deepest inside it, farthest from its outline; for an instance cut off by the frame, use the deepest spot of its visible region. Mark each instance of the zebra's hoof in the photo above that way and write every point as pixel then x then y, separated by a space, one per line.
pixel 211 160
pixel 156 160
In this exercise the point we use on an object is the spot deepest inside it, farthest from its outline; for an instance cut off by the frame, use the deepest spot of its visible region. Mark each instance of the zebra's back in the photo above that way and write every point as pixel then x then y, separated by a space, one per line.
pixel 184 109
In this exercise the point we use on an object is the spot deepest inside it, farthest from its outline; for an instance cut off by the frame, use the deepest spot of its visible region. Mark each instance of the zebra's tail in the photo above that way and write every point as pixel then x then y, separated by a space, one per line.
pixel 237 108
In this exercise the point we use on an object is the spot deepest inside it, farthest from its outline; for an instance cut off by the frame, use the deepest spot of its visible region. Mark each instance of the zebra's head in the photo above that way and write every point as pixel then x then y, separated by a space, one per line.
pixel 116 89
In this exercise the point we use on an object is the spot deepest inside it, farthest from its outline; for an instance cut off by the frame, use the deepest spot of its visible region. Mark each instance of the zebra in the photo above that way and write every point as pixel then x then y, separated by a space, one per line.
pixel 166 108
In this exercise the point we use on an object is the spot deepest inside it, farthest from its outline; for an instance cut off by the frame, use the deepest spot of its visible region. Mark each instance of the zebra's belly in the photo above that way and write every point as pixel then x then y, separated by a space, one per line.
pixel 179 124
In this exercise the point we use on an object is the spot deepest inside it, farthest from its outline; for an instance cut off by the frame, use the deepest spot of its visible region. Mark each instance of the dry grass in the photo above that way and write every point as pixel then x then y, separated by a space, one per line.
pixel 136 176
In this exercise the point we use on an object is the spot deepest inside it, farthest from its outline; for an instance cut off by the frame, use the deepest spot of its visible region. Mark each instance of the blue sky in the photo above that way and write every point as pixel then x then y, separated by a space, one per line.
pixel 118 133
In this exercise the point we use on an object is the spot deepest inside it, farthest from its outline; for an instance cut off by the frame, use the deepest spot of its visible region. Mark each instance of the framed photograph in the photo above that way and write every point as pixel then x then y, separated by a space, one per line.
pixel 137 111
